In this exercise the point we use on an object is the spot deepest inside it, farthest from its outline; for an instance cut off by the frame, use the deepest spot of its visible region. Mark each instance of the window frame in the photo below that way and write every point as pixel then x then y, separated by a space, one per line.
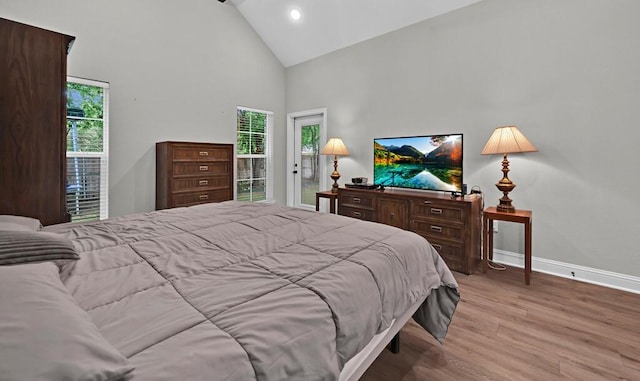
pixel 267 155
pixel 104 155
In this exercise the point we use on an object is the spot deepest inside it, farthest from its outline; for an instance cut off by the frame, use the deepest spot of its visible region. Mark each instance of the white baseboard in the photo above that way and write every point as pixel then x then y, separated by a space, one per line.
pixel 566 270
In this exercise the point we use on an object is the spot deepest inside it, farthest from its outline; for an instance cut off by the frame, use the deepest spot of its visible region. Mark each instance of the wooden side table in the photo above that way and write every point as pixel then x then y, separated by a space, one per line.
pixel 333 198
pixel 520 216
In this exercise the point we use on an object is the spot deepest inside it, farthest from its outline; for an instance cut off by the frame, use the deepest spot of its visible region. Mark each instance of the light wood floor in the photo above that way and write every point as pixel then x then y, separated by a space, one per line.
pixel 555 329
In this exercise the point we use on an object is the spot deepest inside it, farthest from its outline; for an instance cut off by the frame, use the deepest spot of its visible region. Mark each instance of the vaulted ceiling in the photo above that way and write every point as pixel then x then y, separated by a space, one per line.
pixel 329 25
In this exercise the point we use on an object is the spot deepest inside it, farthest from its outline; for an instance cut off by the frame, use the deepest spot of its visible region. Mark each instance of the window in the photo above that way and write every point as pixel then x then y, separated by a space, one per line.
pixel 87 149
pixel 253 152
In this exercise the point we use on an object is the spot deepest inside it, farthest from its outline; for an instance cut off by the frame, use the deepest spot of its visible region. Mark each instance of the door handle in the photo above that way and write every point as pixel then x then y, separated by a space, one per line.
pixel 294 172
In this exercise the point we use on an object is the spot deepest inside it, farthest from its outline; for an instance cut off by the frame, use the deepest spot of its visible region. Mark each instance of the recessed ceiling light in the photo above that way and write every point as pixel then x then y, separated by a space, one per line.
pixel 295 14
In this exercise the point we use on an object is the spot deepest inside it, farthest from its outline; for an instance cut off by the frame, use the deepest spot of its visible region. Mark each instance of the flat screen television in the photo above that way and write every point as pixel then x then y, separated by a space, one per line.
pixel 429 162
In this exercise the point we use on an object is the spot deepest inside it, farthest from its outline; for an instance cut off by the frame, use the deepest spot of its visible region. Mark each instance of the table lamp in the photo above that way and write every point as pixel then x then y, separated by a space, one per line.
pixel 504 140
pixel 335 147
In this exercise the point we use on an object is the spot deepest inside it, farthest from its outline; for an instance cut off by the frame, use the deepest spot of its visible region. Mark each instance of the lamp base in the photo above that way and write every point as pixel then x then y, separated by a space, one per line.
pixel 334 187
pixel 505 185
pixel 335 175
pixel 505 205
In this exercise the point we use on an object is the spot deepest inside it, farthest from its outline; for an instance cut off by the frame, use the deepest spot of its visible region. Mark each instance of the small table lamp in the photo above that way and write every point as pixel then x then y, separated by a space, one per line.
pixel 335 147
pixel 504 140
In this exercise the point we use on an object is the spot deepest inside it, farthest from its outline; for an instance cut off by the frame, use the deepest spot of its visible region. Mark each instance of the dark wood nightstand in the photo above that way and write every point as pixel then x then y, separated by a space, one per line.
pixel 520 216
pixel 333 198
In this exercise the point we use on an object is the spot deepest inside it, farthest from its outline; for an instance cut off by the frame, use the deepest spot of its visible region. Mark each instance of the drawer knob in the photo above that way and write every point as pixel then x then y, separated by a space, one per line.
pixel 356 200
pixel 204 168
pixel 436 211
pixel 204 153
pixel 203 182
pixel 357 214
pixel 435 228
pixel 436 246
pixel 427 202
pixel 204 197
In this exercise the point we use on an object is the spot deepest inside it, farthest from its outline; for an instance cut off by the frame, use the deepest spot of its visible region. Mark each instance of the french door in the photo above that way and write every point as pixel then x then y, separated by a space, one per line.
pixel 306 166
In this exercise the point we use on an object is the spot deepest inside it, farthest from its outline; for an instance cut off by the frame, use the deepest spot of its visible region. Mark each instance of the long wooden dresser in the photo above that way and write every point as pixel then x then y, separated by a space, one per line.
pixel 453 225
pixel 193 173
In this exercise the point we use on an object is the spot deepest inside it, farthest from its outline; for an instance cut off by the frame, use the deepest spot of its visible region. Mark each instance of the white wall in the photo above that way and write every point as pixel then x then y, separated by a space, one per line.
pixel 177 71
pixel 567 72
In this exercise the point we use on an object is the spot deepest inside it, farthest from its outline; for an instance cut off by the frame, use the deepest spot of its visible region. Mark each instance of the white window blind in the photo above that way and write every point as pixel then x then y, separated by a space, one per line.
pixel 87 149
pixel 254 155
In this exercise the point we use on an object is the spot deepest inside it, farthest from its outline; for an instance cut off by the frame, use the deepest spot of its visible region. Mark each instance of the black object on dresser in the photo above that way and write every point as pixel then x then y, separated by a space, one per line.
pixel 33 139
pixel 193 173
pixel 453 225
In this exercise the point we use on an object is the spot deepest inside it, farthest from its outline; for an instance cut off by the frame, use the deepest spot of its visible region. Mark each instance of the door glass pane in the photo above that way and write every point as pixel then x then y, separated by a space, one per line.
pixel 310 182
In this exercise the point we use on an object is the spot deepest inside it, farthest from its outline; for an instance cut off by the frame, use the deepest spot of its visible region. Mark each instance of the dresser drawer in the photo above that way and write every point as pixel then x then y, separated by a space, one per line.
pixel 202 197
pixel 436 229
pixel 200 182
pixel 356 200
pixel 200 153
pixel 452 253
pixel 361 214
pixel 440 210
pixel 198 167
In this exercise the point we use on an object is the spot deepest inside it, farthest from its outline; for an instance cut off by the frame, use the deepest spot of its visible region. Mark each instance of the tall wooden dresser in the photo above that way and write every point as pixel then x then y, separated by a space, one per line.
pixel 193 173
pixel 33 140
pixel 451 224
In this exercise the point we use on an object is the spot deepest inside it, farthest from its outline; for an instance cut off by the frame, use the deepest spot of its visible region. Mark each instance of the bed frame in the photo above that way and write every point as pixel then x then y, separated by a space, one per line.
pixel 356 366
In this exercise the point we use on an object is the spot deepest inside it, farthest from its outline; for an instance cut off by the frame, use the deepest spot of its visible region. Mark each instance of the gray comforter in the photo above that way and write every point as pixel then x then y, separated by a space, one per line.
pixel 246 291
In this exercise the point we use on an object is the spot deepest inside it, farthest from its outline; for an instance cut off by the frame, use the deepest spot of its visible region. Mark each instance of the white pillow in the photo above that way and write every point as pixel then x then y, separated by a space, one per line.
pixel 46 336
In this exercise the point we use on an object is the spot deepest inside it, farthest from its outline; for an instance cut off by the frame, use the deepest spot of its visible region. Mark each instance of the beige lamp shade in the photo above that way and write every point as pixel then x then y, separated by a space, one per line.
pixel 335 147
pixel 507 139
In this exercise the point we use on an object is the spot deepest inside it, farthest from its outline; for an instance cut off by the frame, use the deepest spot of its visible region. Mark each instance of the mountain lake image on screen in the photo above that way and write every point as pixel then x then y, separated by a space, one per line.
pixel 430 162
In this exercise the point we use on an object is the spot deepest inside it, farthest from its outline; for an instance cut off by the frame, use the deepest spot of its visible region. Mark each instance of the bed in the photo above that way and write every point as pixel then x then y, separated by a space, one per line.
pixel 229 291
